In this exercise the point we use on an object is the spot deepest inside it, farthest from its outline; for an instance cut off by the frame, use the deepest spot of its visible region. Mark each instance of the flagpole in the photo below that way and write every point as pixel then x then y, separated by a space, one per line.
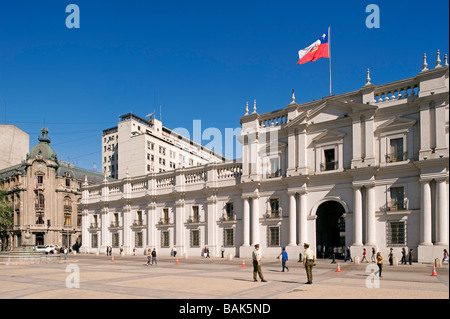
pixel 329 54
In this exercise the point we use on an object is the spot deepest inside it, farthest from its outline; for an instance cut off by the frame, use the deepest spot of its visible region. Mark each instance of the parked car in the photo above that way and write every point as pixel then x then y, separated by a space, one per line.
pixel 48 249
pixel 51 249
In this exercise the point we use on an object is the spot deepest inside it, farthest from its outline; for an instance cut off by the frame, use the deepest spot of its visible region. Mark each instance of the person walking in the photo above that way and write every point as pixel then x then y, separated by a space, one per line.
pixel 403 256
pixel 348 255
pixel 364 255
pixel 379 263
pixel 222 251
pixel 149 256
pixel 174 251
pixel 284 259
pixel 65 252
pixel 256 257
pixel 308 262
pixel 154 257
pixel 445 257
pixel 410 256
pixel 374 253
pixel 391 256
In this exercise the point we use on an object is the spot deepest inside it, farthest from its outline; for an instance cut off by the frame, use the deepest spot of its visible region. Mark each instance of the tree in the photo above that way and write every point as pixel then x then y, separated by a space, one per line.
pixel 6 218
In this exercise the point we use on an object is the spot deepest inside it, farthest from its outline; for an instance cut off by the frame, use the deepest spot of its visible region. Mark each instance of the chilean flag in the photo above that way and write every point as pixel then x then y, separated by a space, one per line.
pixel 317 50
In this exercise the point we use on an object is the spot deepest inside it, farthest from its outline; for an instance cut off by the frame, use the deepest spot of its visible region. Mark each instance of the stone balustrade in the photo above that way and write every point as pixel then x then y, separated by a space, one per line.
pixel 193 177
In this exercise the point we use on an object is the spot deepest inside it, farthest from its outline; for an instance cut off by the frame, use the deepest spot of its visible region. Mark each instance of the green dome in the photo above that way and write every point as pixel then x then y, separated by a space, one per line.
pixel 43 148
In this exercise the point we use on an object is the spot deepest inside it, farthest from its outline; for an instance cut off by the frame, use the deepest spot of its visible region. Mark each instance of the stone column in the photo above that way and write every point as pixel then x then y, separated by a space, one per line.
pixel 179 226
pixel 370 216
pixel 356 140
pixel 126 240
pixel 425 220
pixel 357 216
pixel 369 141
pixel 151 222
pixel 105 236
pixel 292 163
pixel 442 213
pixel 246 223
pixel 301 151
pixel 255 221
pixel 303 220
pixel 211 230
pixel 292 220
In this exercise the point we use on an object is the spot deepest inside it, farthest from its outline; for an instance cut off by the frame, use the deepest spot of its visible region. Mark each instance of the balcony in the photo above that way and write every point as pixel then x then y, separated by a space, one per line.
pixel 329 166
pixel 396 157
pixel 94 226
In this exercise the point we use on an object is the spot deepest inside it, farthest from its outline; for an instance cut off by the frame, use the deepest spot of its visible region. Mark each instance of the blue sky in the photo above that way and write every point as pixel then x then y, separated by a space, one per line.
pixel 194 60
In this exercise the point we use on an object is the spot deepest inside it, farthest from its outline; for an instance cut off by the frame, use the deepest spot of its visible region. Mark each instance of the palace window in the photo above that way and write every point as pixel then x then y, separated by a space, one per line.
pixel 229 211
pixel 195 238
pixel 396 233
pixel 195 214
pixel 115 240
pixel 40 218
pixel 165 239
pixel 67 219
pixel 165 216
pixel 115 223
pixel 94 241
pixel 274 208
pixel 138 239
pixel 274 236
pixel 330 160
pixel 397 199
pixel 39 202
pixel 396 150
pixel 229 237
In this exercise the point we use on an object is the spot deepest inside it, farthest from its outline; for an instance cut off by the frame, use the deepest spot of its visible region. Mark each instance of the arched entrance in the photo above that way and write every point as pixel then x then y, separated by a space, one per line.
pixel 330 228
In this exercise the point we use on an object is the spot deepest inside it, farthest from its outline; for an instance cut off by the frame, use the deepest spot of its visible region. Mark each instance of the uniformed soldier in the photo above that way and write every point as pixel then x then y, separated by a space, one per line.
pixel 256 256
pixel 308 262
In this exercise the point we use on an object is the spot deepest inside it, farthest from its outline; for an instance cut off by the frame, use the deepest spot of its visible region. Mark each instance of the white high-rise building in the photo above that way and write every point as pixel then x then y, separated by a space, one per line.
pixel 14 145
pixel 137 147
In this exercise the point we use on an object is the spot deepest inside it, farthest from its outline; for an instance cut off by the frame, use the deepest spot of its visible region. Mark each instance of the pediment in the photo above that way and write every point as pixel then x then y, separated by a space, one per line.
pixel 396 123
pixel 330 110
pixel 328 135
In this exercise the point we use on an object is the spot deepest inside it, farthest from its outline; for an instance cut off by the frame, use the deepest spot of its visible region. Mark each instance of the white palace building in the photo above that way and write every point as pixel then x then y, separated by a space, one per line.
pixel 364 169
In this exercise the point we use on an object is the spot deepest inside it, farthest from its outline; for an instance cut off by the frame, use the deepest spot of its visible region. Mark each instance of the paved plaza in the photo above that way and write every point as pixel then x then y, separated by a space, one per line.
pixel 98 277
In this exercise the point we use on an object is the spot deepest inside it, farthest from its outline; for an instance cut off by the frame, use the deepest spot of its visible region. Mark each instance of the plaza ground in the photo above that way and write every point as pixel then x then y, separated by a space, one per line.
pixel 129 277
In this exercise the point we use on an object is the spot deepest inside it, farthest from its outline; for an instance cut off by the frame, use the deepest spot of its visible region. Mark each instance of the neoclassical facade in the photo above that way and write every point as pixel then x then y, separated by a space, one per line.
pixel 368 168
pixel 45 194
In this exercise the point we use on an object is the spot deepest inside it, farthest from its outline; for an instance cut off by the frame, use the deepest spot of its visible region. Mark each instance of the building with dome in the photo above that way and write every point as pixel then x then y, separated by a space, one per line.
pixel 45 194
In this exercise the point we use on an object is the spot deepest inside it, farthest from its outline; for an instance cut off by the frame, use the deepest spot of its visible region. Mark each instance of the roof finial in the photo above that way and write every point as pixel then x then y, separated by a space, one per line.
pixel 438 59
pixel 445 60
pixel 425 64
pixel 368 77
pixel 293 97
pixel 254 106
pixel 246 108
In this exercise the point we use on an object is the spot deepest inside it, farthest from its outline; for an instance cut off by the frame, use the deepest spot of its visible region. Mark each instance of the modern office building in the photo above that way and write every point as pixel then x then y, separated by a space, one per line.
pixel 14 145
pixel 367 168
pixel 137 147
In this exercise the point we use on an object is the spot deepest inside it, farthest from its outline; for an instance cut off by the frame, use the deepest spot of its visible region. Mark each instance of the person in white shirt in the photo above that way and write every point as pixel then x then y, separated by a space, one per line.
pixel 309 262
pixel 256 256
